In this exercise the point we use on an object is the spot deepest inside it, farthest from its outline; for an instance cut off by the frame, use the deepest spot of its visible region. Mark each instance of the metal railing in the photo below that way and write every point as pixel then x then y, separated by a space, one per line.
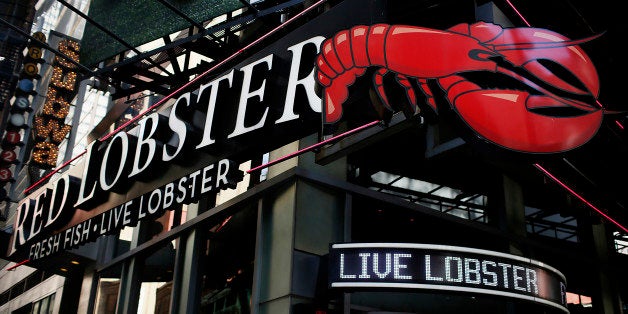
pixel 472 206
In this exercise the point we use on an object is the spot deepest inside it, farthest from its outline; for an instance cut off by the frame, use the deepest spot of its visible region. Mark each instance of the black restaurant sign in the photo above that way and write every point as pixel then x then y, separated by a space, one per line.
pixel 262 103
pixel 189 188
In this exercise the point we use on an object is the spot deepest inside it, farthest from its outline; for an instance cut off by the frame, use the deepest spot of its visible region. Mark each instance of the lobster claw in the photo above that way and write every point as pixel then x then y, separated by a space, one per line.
pixel 508 118
pixel 549 61
pixel 544 60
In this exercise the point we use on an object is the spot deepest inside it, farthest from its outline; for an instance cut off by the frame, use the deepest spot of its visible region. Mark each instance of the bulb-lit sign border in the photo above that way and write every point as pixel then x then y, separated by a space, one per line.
pixel 49 126
pixel 356 266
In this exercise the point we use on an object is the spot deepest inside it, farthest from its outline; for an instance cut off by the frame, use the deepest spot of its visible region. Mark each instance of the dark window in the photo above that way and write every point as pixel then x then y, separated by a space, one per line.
pixel 44 306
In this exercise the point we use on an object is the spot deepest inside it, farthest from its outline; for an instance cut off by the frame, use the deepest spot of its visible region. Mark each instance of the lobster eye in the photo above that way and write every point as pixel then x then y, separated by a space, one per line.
pixel 562 73
pixel 483 55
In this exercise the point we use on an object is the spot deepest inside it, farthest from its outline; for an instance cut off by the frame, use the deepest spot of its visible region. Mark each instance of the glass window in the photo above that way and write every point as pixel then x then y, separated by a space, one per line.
pixel 107 292
pixel 51 303
pixel 44 306
pixel 226 267
pixel 157 227
pixel 45 303
pixel 155 272
pixel 36 307
pixel 157 275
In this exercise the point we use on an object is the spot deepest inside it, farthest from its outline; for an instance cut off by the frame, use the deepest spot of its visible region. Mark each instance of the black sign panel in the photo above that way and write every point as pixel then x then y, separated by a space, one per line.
pixel 444 268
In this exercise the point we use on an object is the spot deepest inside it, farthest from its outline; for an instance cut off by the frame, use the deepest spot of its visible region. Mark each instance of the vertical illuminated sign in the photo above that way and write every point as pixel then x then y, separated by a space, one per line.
pixel 49 126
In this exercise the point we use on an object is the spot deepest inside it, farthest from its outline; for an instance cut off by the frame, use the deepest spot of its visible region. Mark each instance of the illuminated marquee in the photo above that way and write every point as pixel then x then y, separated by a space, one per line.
pixel 49 126
pixel 448 268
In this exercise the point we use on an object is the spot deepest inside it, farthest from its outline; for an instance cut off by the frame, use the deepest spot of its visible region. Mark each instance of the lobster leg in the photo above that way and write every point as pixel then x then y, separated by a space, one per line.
pixel 428 94
pixel 378 81
pixel 413 108
pixel 405 82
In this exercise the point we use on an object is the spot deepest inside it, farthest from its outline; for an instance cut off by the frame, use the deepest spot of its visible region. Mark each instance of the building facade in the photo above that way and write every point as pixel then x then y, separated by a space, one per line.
pixel 321 157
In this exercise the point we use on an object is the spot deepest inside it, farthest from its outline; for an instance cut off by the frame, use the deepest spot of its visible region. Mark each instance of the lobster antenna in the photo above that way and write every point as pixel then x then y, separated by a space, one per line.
pixel 609 112
pixel 551 44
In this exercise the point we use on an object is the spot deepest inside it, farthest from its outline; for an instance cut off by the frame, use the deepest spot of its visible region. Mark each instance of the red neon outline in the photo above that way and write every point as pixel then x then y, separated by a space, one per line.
pixel 518 13
pixel 46 177
pixel 311 147
pixel 160 102
pixel 307 148
pixel 18 265
pixel 551 176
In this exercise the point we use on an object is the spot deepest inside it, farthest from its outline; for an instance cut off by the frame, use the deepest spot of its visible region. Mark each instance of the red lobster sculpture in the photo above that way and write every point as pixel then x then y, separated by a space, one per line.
pixel 515 119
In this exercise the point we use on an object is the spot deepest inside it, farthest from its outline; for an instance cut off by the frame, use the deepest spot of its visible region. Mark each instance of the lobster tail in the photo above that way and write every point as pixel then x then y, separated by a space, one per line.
pixel 345 51
pixel 345 57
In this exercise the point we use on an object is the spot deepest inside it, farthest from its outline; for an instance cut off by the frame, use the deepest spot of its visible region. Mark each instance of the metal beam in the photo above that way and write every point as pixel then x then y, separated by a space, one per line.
pixel 249 5
pixel 47 47
pixel 187 18
pixel 205 32
pixel 274 184
pixel 141 72
pixel 144 85
pixel 181 14
pixel 108 32
pixel 172 56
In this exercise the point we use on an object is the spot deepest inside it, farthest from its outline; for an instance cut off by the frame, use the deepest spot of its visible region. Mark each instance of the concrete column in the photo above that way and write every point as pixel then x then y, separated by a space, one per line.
pixel 130 284
pixel 507 212
pixel 295 229
pixel 131 274
pixel 346 301
pixel 186 290
pixel 88 290
pixel 71 293
pixel 274 263
pixel 513 218
pixel 606 300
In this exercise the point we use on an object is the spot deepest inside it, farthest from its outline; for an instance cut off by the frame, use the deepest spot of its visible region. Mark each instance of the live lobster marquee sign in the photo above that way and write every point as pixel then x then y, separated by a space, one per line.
pixel 355 266
pixel 280 93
